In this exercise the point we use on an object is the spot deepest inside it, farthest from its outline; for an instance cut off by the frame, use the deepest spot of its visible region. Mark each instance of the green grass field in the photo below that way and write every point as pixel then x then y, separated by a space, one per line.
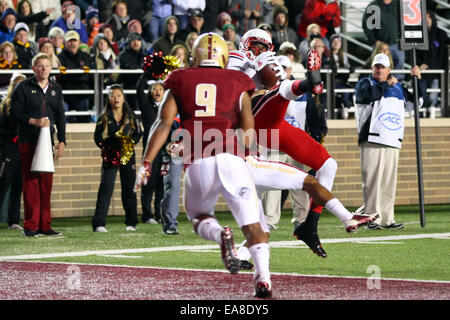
pixel 411 253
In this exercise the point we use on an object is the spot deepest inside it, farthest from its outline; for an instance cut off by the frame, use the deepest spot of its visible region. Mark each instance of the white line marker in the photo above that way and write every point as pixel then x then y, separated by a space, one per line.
pixel 119 256
pixel 295 243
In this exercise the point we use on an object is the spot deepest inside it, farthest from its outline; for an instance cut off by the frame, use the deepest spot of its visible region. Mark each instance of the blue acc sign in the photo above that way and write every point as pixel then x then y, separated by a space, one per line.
pixel 390 121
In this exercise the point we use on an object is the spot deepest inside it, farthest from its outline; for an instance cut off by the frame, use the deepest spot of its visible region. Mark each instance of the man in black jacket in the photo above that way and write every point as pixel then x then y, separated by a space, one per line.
pixel 36 103
pixel 73 58
pixel 131 57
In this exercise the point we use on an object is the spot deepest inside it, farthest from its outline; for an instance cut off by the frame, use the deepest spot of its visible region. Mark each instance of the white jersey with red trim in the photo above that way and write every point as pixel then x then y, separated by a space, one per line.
pixel 239 61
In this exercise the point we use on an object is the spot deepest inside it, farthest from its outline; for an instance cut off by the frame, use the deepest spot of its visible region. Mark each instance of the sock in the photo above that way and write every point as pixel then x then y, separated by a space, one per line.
pixel 338 209
pixel 261 257
pixel 243 253
pixel 313 206
pixel 210 229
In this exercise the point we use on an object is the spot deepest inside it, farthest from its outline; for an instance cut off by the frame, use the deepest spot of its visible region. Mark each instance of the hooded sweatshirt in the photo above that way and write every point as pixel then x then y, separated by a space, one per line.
pixel 164 43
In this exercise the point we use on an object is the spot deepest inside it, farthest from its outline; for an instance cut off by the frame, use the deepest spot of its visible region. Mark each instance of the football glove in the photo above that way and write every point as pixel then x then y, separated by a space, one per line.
pixel 143 175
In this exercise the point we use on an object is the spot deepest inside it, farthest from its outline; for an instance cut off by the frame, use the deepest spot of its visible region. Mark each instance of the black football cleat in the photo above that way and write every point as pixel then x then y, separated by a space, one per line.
pixel 229 256
pixel 307 232
pixel 246 265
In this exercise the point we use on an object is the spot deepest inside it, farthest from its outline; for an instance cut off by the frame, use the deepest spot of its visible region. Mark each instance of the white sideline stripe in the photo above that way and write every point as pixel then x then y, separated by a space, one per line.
pixel 294 243
pixel 120 256
pixel 242 272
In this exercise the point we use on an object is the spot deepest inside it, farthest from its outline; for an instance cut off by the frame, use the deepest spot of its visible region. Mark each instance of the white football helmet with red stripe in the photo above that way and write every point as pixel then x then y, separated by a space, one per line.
pixel 252 37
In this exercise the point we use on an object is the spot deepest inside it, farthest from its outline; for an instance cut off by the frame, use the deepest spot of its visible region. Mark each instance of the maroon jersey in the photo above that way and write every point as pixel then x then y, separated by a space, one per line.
pixel 208 102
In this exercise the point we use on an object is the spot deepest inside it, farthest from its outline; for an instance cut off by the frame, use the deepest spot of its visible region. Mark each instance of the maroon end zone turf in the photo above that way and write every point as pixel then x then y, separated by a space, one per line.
pixel 52 281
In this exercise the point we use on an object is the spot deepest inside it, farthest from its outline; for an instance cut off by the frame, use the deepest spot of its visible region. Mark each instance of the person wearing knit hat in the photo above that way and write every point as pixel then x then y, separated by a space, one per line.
pixel 92 24
pixel 280 28
pixel 136 26
pixel 223 19
pixel 229 34
pixel 108 31
pixel 7 23
pixel 24 49
pixel 103 56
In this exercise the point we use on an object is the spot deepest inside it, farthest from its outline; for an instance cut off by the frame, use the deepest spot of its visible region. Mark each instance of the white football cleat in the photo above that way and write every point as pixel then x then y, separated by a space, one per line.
pixel 358 221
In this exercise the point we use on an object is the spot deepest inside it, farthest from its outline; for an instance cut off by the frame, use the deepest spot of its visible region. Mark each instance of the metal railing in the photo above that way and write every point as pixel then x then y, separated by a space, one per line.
pixel 330 90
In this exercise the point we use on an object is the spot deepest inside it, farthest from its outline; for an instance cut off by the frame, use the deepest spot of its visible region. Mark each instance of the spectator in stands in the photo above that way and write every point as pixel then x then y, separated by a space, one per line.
pixel 325 13
pixel 295 10
pixel 11 173
pixel 222 19
pixel 55 13
pixel 8 61
pixel 92 24
pixel 104 9
pixel 103 57
pixel 196 23
pixel 131 57
pixel 319 45
pixel 289 50
pixel 169 38
pixel 381 47
pixel 387 31
pixel 149 104
pixel 33 20
pixel 181 52
pixel 74 58
pixel 280 30
pixel 247 14
pixel 68 20
pixel 136 26
pixel 181 10
pixel 24 49
pixel 229 34
pixel 266 27
pixel 313 32
pixel 5 4
pixel 117 119
pixel 340 59
pixel 139 9
pixel 161 10
pixel 213 9
pixel 7 24
pixel 56 36
pixel 434 58
pixel 108 31
pixel 46 46
pixel 119 20
pixel 380 139
pixel 190 39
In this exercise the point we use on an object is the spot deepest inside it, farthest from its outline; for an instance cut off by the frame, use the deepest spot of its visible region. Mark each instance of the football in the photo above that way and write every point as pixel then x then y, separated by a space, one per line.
pixel 267 76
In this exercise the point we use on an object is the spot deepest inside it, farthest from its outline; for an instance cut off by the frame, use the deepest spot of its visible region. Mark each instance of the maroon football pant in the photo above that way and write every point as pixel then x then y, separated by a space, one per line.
pixel 37 188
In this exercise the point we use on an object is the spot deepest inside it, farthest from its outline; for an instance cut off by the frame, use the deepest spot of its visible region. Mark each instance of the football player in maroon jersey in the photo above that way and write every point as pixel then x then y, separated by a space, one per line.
pixel 212 102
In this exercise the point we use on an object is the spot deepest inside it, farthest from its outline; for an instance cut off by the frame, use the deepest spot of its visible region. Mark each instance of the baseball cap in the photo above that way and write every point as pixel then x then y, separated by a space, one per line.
pixel 195 13
pixel 382 59
pixel 71 35
pixel 21 26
